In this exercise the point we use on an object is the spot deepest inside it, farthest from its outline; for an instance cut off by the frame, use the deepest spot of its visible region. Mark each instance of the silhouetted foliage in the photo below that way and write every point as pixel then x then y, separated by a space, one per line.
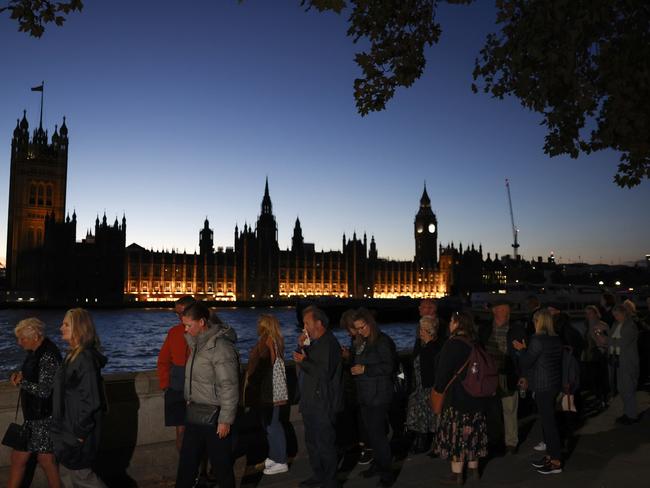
pixel 32 15
pixel 583 64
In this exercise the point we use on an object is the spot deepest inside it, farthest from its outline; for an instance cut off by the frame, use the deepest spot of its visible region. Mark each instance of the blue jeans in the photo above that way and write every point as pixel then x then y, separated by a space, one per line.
pixel 276 438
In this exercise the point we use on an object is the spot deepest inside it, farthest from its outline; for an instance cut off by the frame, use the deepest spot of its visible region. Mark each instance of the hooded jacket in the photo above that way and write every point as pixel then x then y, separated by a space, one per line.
pixel 212 371
pixel 78 405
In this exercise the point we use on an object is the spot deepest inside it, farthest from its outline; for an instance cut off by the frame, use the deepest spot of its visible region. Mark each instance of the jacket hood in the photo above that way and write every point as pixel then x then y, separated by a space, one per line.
pixel 217 331
pixel 99 359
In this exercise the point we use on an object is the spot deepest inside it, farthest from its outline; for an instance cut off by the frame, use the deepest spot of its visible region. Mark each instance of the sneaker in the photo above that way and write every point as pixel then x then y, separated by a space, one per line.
pixel 366 456
pixel 268 462
pixel 540 447
pixel 550 468
pixel 277 468
pixel 541 463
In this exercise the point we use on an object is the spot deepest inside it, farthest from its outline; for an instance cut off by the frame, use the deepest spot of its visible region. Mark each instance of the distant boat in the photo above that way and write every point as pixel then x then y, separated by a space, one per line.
pixel 570 298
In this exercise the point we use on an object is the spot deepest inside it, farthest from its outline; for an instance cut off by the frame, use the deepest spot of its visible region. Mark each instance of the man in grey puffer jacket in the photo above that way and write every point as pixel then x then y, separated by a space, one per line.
pixel 211 379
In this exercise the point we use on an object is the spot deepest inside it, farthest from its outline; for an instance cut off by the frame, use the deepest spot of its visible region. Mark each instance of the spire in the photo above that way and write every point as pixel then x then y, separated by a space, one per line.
pixel 74 215
pixel 425 201
pixel 24 125
pixel 206 224
pixel 64 129
pixel 267 206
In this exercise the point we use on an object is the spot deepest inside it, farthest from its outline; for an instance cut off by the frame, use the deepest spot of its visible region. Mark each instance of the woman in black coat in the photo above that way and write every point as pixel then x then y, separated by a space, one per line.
pixel 79 401
pixel 373 372
pixel 541 362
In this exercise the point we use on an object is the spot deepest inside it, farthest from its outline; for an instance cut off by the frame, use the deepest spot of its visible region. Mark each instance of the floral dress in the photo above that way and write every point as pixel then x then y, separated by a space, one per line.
pixel 419 416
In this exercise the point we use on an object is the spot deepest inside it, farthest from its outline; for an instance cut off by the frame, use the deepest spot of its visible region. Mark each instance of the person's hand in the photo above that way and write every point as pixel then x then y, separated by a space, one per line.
pixel 81 441
pixel 358 369
pixel 519 346
pixel 345 352
pixel 16 378
pixel 223 430
pixel 522 383
pixel 301 339
pixel 298 357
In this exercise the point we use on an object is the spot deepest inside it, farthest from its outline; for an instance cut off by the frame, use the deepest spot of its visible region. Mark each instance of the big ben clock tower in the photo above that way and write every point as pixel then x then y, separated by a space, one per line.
pixel 426 233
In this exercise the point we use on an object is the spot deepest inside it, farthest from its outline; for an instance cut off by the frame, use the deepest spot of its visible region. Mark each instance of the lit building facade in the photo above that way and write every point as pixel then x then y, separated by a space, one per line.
pixel 255 268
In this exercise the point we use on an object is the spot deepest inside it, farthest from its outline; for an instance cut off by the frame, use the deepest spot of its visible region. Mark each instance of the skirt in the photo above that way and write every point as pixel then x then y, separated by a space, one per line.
pixel 461 436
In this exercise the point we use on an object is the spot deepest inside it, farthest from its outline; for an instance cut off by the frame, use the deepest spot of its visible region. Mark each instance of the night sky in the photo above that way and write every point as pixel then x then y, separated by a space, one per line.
pixel 180 110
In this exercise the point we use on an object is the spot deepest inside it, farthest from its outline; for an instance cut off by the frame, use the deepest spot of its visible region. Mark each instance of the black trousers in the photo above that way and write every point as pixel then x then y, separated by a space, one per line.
pixel 546 407
pixel 374 419
pixel 320 440
pixel 196 440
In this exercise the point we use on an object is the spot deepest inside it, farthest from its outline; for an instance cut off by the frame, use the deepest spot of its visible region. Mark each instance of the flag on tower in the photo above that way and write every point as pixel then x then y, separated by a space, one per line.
pixel 38 88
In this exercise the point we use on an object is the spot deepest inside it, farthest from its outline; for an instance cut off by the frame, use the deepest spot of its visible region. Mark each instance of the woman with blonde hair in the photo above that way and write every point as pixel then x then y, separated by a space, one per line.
pixel 79 401
pixel 266 389
pixel 35 380
pixel 541 362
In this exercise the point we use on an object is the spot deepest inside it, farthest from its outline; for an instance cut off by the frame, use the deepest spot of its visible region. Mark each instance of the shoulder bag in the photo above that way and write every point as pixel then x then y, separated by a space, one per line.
pixel 280 391
pixel 17 436
pixel 201 414
pixel 438 399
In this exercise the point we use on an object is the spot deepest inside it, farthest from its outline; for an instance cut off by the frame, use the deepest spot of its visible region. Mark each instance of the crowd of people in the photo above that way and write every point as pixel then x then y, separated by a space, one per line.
pixel 459 402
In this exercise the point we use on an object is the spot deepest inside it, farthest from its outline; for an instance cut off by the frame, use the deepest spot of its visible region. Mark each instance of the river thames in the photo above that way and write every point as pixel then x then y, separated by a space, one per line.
pixel 131 338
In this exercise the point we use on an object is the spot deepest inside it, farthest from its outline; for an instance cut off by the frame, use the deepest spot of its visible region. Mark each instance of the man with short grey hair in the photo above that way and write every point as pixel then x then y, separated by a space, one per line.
pixel 321 395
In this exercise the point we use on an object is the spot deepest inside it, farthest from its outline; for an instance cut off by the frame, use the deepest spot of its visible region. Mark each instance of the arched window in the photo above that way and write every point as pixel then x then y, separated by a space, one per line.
pixel 48 196
pixel 41 191
pixel 32 194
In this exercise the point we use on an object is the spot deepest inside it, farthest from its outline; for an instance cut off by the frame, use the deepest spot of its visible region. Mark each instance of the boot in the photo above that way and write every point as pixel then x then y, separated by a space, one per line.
pixel 452 479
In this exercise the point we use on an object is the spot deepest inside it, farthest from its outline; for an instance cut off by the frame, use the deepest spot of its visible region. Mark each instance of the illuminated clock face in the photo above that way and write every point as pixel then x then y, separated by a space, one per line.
pixel 432 228
pixel 420 229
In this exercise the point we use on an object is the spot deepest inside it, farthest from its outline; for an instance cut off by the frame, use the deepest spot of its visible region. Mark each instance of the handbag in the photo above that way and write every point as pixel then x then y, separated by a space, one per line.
pixel 200 413
pixel 16 436
pixel 280 390
pixel 438 399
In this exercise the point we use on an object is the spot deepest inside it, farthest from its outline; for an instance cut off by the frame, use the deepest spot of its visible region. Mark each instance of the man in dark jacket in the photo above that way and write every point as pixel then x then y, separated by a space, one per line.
pixel 497 337
pixel 321 396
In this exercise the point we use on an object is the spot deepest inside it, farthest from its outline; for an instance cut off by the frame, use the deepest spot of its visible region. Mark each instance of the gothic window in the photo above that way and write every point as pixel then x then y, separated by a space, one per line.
pixel 48 196
pixel 32 194
pixel 41 191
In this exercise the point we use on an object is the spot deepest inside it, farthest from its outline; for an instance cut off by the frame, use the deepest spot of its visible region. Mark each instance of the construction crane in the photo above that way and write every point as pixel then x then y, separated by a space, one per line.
pixel 515 231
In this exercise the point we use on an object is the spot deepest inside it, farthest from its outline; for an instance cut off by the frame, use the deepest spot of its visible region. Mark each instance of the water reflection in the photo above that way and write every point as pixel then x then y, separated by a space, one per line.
pixel 131 338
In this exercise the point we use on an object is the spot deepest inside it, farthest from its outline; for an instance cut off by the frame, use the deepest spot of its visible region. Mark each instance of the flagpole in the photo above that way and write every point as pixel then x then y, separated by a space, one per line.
pixel 42 93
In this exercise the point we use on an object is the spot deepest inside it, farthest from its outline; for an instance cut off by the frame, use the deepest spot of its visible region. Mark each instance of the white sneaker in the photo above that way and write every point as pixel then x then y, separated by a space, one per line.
pixel 540 447
pixel 268 462
pixel 277 468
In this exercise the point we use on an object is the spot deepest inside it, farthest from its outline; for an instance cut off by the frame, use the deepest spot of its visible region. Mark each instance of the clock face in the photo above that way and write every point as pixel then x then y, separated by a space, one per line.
pixel 420 229
pixel 432 228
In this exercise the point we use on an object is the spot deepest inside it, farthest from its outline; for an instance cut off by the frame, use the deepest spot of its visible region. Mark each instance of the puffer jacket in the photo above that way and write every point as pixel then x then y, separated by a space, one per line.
pixel 212 371
pixel 542 363
pixel 375 385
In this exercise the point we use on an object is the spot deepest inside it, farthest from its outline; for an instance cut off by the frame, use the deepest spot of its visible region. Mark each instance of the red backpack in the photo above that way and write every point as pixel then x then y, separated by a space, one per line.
pixel 482 377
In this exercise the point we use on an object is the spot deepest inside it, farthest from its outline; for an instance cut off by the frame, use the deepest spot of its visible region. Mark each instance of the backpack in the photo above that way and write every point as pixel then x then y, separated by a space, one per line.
pixel 482 377
pixel 570 371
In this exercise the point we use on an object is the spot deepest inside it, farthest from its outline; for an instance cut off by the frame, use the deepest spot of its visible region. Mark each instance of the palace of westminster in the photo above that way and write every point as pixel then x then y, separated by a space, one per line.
pixel 46 263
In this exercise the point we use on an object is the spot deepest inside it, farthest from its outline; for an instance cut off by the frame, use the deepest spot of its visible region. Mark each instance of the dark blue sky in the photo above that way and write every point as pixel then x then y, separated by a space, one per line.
pixel 178 111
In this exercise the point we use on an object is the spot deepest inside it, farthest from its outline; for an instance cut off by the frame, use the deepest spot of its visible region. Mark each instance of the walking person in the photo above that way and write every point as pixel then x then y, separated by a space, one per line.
pixel 79 402
pixel 420 419
pixel 373 369
pixel 35 381
pixel 212 395
pixel 541 363
pixel 624 361
pixel 321 390
pixel 462 429
pixel 266 389
pixel 171 371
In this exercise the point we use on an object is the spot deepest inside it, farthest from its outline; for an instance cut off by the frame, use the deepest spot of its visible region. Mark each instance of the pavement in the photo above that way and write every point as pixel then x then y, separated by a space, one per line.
pixel 601 454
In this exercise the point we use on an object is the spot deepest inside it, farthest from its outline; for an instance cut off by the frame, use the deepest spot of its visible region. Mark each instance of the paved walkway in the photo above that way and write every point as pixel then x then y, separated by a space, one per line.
pixel 602 455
